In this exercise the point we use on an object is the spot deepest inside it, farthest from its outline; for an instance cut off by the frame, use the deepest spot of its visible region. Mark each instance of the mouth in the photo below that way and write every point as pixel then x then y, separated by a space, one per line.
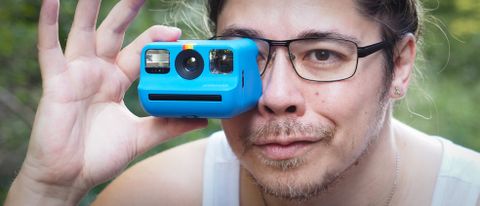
pixel 284 150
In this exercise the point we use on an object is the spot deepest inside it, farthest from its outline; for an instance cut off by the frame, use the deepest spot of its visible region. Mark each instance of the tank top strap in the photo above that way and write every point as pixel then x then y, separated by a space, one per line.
pixel 220 173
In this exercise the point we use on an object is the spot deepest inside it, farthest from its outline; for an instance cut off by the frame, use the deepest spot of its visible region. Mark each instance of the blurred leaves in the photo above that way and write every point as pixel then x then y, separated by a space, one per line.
pixel 443 98
pixel 469 11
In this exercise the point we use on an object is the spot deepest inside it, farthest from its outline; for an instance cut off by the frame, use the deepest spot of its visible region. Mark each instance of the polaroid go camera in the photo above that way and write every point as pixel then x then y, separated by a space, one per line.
pixel 199 78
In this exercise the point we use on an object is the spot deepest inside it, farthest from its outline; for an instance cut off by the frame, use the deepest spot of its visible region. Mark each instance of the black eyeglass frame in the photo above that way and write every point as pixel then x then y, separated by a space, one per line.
pixel 361 51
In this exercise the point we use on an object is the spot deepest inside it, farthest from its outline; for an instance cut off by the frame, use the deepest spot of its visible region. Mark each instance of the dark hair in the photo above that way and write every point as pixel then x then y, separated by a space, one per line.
pixel 396 17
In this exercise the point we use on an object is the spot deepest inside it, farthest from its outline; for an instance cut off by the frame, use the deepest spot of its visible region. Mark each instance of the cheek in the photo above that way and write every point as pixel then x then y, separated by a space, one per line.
pixel 353 106
pixel 235 128
pixel 354 101
pixel 345 102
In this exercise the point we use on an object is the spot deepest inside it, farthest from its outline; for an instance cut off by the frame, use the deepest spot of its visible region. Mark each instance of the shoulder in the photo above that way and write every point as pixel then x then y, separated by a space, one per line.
pixel 459 176
pixel 460 163
pixel 173 177
pixel 441 171
pixel 453 160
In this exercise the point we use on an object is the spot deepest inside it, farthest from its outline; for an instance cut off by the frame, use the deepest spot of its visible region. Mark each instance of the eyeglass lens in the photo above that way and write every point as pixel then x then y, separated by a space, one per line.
pixel 317 59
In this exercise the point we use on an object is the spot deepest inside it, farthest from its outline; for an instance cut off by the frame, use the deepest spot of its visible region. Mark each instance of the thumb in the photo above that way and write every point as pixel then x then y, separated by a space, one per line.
pixel 152 131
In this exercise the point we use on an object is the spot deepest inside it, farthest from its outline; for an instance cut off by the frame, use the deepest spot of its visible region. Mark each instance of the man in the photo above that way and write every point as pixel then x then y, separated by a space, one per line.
pixel 322 133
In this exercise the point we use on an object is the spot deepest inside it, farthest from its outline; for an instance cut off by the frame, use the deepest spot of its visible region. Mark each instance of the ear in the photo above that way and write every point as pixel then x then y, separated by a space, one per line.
pixel 404 60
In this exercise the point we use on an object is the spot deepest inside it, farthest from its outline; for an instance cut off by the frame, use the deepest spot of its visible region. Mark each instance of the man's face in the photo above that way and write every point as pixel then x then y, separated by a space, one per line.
pixel 305 134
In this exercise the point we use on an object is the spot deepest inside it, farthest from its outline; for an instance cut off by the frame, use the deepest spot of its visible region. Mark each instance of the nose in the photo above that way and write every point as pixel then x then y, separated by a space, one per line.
pixel 282 92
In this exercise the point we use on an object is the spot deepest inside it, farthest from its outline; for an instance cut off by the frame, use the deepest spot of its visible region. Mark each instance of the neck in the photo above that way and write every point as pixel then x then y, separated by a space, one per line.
pixel 372 181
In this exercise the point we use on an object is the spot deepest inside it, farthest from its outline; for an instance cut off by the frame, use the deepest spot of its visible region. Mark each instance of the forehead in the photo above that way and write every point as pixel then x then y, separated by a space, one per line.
pixel 286 19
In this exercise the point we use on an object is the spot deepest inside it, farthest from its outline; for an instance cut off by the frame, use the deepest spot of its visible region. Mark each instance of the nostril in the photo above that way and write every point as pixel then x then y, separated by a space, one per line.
pixel 291 109
pixel 269 110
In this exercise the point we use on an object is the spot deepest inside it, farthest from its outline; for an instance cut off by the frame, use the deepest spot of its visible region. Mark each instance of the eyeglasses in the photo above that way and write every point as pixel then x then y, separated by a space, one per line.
pixel 314 59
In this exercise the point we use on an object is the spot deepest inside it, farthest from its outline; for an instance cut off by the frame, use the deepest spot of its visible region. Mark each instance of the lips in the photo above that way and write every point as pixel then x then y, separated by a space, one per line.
pixel 284 149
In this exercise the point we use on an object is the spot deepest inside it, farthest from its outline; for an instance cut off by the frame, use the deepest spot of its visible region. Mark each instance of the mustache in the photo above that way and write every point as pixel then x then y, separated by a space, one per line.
pixel 286 128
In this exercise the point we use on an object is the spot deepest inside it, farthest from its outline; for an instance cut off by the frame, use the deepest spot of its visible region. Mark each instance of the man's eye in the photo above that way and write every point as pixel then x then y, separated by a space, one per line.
pixel 321 55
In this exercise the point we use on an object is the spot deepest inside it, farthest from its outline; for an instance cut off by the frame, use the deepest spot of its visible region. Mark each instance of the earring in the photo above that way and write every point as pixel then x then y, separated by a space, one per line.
pixel 397 91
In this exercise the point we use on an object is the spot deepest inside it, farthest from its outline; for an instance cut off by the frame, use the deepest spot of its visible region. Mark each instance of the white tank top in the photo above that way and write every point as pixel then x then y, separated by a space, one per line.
pixel 221 173
pixel 458 181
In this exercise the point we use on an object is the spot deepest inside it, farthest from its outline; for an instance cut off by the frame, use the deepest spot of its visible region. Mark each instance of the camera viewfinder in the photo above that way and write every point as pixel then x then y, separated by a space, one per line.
pixel 157 61
pixel 221 61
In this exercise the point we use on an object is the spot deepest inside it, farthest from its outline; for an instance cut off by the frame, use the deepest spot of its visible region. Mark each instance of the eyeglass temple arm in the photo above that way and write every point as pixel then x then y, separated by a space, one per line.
pixel 367 50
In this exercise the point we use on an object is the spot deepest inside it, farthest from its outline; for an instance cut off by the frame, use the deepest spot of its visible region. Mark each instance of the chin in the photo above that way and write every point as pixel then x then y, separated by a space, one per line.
pixel 302 177
pixel 294 179
pixel 293 160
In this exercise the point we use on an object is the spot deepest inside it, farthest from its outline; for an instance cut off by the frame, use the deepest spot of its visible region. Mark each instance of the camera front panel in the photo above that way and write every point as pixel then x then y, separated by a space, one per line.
pixel 202 78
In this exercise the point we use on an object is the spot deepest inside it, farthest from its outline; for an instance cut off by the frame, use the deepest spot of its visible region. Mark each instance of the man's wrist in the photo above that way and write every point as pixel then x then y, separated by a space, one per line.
pixel 26 191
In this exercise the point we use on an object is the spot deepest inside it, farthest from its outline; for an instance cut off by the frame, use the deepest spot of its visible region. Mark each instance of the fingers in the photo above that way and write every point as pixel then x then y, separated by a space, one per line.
pixel 129 58
pixel 81 39
pixel 111 32
pixel 49 50
pixel 153 131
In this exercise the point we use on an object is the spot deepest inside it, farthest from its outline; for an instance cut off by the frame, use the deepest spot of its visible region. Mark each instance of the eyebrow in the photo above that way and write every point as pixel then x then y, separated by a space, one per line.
pixel 239 31
pixel 329 34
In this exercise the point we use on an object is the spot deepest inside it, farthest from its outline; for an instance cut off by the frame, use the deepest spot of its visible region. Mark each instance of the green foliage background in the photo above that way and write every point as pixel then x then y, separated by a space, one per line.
pixel 443 99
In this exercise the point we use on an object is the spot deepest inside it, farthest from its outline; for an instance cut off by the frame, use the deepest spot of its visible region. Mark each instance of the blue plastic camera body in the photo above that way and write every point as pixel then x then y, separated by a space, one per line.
pixel 199 78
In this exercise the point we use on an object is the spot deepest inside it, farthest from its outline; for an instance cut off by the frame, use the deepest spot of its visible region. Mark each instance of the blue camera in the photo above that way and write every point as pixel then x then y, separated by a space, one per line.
pixel 199 78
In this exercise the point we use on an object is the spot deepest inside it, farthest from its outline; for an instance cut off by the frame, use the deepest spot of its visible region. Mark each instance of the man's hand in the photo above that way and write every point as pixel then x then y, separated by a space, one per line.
pixel 83 134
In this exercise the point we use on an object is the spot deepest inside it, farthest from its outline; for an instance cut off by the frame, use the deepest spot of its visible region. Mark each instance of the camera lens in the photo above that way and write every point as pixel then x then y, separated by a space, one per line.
pixel 189 64
pixel 221 61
